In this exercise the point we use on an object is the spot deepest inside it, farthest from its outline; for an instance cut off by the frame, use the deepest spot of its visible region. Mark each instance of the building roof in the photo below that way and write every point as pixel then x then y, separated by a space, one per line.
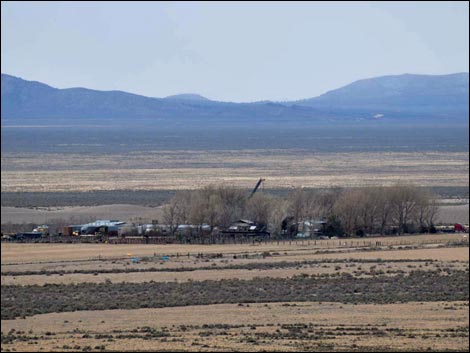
pixel 247 221
pixel 101 222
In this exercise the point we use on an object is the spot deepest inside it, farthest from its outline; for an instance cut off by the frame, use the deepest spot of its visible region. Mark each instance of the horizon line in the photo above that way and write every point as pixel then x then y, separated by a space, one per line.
pixel 222 101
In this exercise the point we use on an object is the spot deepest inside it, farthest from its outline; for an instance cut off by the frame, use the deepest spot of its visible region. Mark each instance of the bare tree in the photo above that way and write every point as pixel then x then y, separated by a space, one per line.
pixel 205 207
pixel 384 208
pixel 311 205
pixel 432 212
pixel 347 210
pixel 176 212
pixel 258 208
pixel 427 209
pixel 231 205
pixel 297 201
pixel 278 213
pixel 370 208
pixel 326 202
pixel 197 213
pixel 404 202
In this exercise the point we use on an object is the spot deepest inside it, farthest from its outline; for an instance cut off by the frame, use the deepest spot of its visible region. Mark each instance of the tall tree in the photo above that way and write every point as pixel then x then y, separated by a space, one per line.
pixel 404 202
pixel 176 212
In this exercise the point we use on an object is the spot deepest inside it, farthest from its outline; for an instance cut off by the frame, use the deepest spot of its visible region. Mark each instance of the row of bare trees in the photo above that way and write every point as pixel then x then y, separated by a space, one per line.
pixel 398 208
pixel 403 208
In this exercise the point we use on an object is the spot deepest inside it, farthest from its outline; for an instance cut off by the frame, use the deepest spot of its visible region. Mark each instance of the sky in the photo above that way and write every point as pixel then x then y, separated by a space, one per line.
pixel 230 51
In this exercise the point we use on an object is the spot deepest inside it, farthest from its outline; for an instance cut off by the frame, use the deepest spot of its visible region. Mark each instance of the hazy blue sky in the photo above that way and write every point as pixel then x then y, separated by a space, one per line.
pixel 230 51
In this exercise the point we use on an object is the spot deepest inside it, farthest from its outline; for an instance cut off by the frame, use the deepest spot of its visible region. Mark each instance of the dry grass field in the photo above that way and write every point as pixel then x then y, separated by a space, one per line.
pixel 330 303
pixel 283 168
pixel 453 214
pixel 44 215
pixel 302 326
pixel 13 253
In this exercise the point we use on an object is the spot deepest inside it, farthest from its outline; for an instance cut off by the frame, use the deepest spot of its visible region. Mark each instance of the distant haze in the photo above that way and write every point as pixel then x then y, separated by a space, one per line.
pixel 232 51
pixel 406 99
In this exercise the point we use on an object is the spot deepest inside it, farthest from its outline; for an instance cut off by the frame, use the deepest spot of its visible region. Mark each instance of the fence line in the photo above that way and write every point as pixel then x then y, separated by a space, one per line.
pixel 321 244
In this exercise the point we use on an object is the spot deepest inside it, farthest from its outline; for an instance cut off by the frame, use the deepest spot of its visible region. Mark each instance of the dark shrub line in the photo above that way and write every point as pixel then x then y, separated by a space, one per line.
pixel 22 301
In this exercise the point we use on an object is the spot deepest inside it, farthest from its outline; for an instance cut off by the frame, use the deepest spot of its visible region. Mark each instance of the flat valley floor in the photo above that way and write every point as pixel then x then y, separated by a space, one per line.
pixel 287 153
pixel 405 293
pixel 176 170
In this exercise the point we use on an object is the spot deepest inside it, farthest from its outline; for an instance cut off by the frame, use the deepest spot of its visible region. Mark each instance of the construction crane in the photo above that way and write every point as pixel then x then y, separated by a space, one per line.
pixel 256 187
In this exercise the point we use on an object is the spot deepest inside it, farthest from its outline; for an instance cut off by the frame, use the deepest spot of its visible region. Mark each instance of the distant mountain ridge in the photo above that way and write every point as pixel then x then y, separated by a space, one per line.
pixel 188 97
pixel 410 98
pixel 417 93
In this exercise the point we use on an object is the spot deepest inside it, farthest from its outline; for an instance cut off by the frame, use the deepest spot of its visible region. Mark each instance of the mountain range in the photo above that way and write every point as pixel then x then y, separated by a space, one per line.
pixel 400 98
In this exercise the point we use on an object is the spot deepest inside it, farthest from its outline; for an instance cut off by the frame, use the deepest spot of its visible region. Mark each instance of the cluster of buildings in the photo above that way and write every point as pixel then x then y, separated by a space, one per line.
pixel 108 227
pixel 240 228
pixel 119 228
